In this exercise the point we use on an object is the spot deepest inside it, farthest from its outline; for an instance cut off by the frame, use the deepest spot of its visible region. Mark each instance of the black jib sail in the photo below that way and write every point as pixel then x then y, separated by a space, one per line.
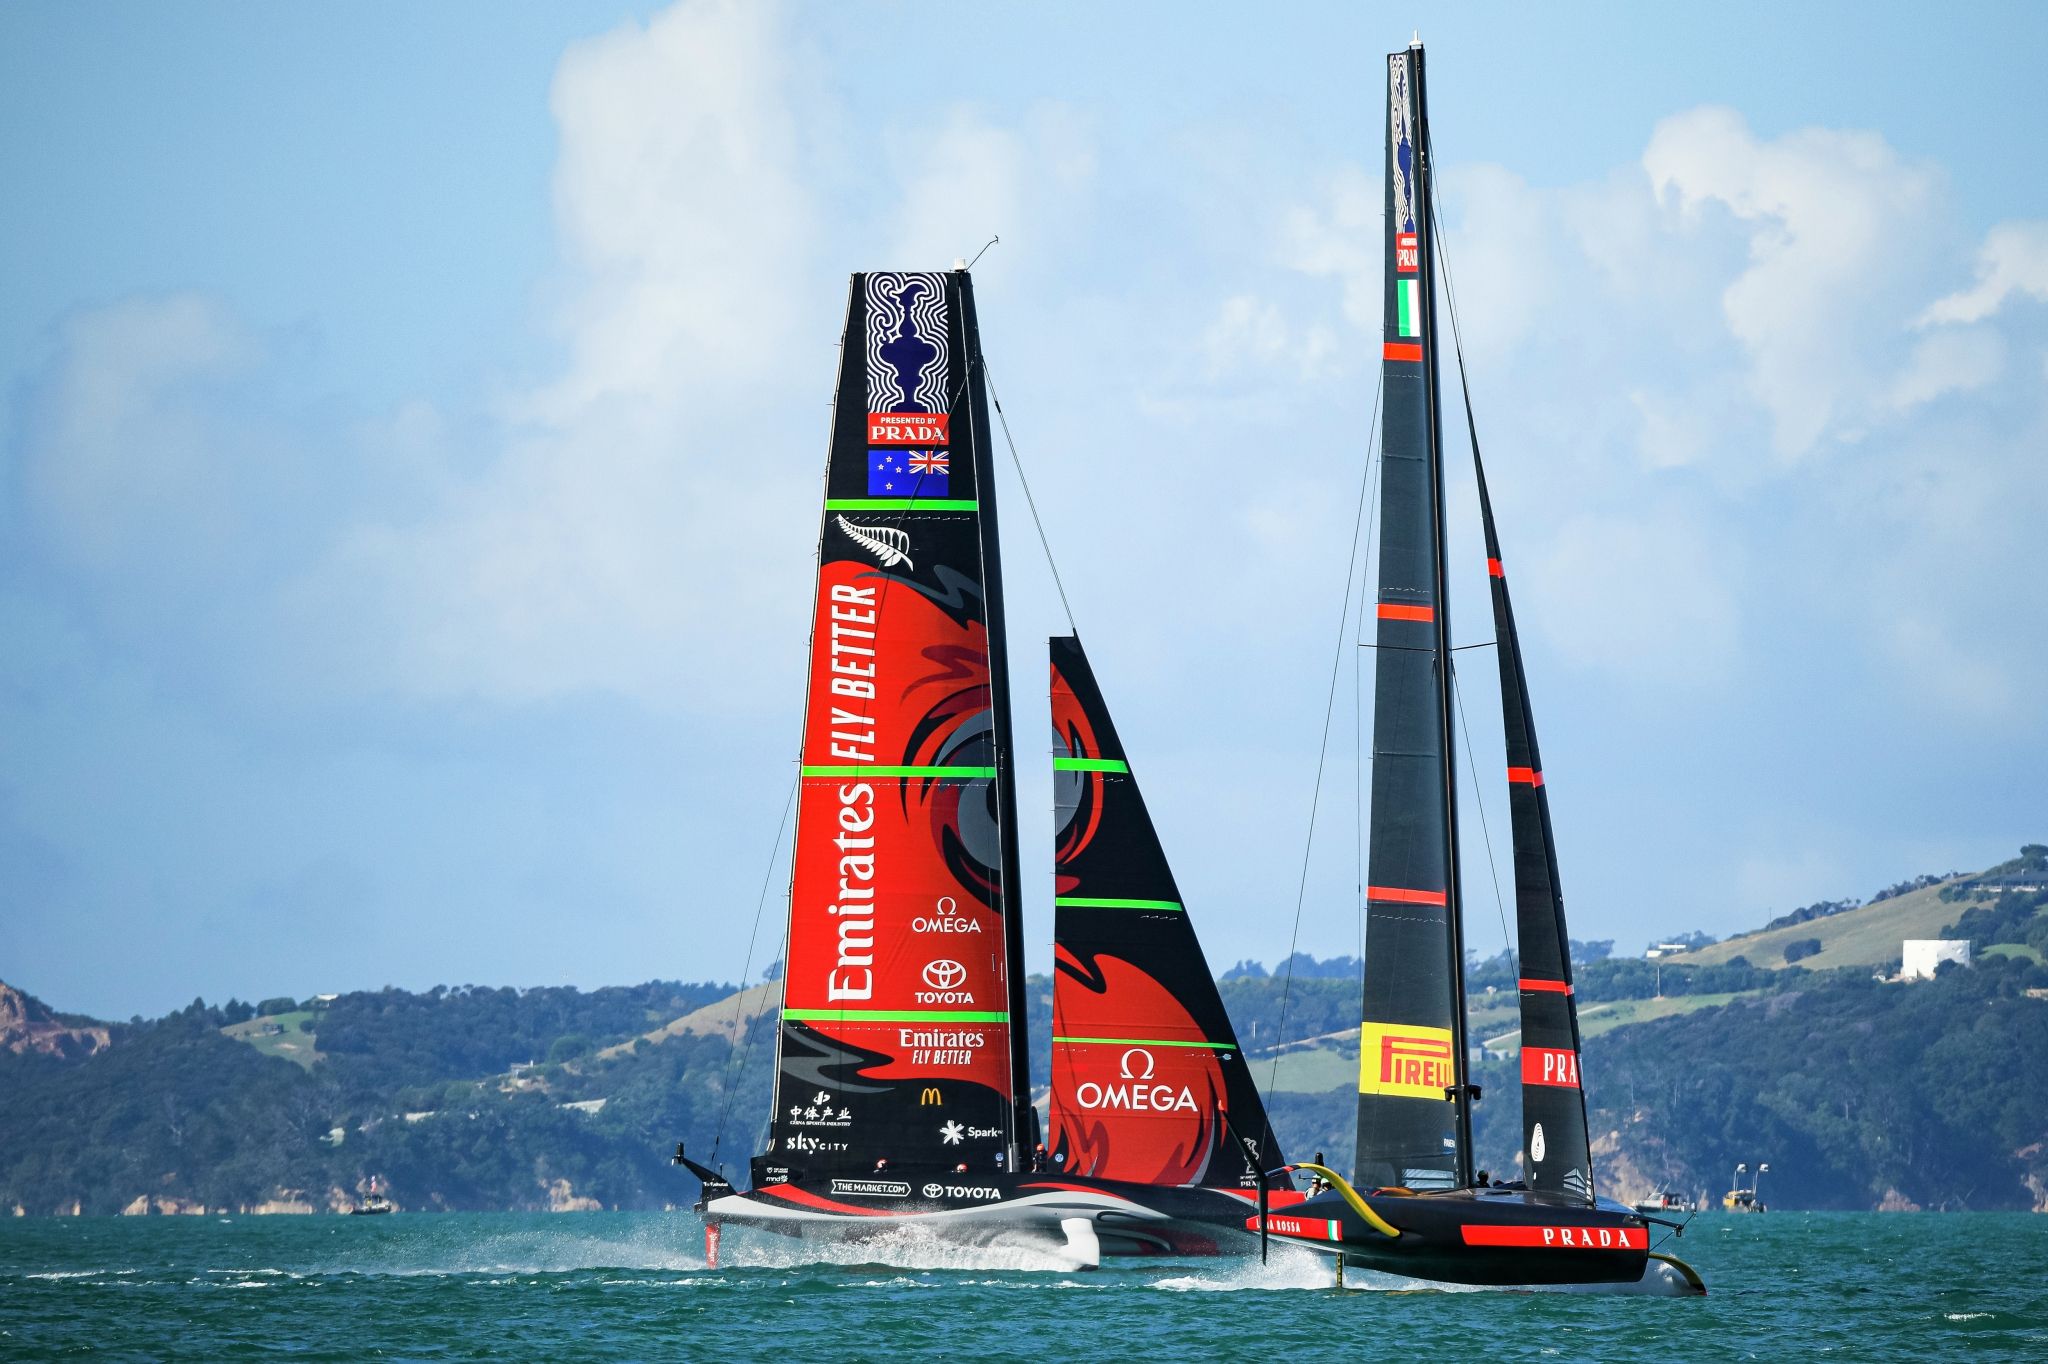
pixel 1554 1139
pixel 1148 1081
pixel 1413 1125
pixel 902 1027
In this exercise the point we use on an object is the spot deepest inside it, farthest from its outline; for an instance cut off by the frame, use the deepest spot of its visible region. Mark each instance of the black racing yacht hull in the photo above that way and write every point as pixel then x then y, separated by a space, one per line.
pixel 1489 1237
pixel 1087 1218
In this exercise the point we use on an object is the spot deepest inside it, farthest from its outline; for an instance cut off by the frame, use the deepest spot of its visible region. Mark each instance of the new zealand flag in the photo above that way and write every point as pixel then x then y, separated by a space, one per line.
pixel 908 473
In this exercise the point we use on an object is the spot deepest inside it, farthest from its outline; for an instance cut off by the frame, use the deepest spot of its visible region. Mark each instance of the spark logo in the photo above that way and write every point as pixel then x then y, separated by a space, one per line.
pixel 1405 1060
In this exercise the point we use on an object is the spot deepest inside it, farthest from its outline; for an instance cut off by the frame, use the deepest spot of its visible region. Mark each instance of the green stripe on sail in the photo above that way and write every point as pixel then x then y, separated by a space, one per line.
pixel 895 1016
pixel 943 773
pixel 1408 297
pixel 1089 765
pixel 1091 902
pixel 939 504
pixel 1148 1042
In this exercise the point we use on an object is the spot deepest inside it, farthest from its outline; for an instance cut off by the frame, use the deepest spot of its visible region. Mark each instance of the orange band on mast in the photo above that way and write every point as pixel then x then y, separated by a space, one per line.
pixel 1398 896
pixel 1395 611
pixel 1546 987
pixel 1524 776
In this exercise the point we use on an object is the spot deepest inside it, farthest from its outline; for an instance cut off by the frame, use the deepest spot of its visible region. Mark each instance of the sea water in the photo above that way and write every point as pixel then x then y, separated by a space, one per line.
pixel 1783 1285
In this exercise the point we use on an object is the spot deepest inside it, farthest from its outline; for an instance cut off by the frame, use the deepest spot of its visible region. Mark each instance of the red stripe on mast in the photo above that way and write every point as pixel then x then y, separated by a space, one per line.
pixel 1397 895
pixel 1549 987
pixel 1524 776
pixel 1395 611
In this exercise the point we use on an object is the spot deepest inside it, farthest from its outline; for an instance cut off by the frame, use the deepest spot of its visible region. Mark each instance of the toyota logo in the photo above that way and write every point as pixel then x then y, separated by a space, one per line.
pixel 943 974
pixel 934 1190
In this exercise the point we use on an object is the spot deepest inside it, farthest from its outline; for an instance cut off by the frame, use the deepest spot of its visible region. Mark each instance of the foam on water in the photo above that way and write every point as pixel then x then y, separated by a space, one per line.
pixel 899 1248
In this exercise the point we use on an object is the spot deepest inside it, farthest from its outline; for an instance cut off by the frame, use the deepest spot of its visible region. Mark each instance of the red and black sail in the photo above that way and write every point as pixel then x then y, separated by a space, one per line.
pixel 1554 1138
pixel 1148 1080
pixel 1413 1128
pixel 901 1032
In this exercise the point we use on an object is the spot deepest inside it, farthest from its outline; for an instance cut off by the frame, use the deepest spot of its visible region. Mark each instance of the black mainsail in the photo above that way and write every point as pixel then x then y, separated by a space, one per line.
pixel 1148 1080
pixel 1414 1129
pixel 902 1032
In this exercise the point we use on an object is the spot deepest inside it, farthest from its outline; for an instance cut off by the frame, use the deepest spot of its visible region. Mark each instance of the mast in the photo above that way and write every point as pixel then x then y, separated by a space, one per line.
pixel 898 1035
pixel 1413 1127
pixel 1148 1080
pixel 1455 908
pixel 1023 1124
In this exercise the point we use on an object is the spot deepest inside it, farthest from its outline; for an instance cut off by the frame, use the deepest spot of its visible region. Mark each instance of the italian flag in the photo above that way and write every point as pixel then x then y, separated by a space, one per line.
pixel 1408 301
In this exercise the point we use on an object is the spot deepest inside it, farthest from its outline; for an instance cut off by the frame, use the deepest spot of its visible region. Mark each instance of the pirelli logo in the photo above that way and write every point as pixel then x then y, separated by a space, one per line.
pixel 1404 1059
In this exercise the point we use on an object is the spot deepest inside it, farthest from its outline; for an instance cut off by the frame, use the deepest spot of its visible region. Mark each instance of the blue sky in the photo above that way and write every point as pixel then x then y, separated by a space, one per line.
pixel 410 420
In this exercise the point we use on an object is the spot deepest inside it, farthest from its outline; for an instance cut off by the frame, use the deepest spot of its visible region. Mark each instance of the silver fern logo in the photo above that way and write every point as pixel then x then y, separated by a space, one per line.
pixel 886 543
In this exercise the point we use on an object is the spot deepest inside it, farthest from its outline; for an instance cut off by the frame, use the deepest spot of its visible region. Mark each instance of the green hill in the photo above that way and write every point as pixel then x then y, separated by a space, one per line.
pixel 1868 936
pixel 1859 1094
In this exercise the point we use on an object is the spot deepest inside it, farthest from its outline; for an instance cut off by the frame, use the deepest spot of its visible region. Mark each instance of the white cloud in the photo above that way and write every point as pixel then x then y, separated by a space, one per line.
pixel 971 180
pixel 1649 596
pixel 125 449
pixel 680 203
pixel 1252 332
pixel 1505 251
pixel 1949 361
pixel 1837 227
pixel 1340 237
pixel 2013 260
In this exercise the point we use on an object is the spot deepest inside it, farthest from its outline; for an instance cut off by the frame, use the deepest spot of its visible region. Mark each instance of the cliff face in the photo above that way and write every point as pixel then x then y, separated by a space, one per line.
pixel 28 1025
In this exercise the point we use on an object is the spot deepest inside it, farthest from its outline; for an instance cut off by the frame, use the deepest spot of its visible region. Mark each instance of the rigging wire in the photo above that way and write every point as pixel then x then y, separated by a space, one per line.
pixel 1029 501
pixel 1358 755
pixel 1472 434
pixel 1492 867
pixel 1358 524
pixel 760 906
